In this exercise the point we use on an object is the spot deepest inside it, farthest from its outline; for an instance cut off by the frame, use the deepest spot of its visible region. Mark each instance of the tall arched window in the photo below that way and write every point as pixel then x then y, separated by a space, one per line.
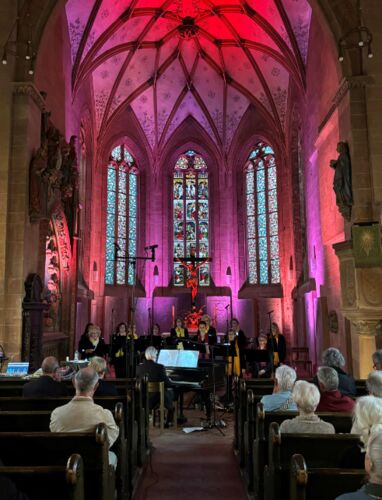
pixel 121 218
pixel 262 216
pixel 191 214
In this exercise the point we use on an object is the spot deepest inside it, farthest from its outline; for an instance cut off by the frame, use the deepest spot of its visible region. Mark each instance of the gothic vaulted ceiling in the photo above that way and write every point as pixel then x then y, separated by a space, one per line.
pixel 207 58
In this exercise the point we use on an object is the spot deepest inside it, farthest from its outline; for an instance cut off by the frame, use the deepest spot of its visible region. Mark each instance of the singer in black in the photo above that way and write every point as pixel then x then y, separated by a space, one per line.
pixel 93 344
pixel 118 350
pixel 242 339
pixel 178 333
pixel 277 345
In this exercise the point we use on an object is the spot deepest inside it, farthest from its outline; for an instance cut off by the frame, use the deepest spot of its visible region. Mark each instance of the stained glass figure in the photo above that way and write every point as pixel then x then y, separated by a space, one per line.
pixel 262 216
pixel 121 216
pixel 191 215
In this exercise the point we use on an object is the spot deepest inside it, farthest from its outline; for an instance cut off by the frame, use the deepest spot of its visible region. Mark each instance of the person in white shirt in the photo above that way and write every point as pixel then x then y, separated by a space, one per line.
pixel 81 414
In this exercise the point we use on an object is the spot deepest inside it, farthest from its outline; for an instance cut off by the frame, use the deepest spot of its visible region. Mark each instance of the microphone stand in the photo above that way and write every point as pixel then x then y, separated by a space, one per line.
pixel 271 344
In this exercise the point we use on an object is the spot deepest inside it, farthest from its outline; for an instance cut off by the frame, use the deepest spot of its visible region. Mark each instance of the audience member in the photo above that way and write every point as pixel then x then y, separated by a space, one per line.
pixel 372 490
pixel 332 357
pixel 48 384
pixel 331 398
pixel 306 396
pixel 93 344
pixel 281 399
pixel 367 417
pixel 81 414
pixel 374 383
pixel 104 388
pixel 157 373
pixel 277 345
pixel 377 360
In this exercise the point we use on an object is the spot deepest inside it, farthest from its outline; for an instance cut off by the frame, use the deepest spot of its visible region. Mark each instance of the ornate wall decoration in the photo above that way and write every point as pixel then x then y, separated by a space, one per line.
pixel 333 322
pixel 52 282
pixel 63 240
pixel 348 284
pixel 371 288
pixel 367 247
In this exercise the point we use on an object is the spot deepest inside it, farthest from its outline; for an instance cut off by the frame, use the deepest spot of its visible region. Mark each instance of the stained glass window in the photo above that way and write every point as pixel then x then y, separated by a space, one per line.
pixel 121 217
pixel 191 215
pixel 262 216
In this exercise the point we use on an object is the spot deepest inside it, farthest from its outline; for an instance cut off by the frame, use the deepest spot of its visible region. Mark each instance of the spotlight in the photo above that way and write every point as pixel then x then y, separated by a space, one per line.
pixel 28 55
pixel 340 54
pixel 31 68
pixel 370 54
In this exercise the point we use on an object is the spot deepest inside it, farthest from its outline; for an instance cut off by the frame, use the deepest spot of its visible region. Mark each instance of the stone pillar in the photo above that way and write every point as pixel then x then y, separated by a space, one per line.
pixel 21 245
pixel 361 297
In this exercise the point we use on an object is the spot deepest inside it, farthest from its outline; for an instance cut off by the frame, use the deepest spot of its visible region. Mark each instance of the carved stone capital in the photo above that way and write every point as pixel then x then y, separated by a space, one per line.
pixel 365 327
pixel 29 89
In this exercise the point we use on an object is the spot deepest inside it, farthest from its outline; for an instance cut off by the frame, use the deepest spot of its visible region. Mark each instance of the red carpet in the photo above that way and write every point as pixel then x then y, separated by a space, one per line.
pixel 197 466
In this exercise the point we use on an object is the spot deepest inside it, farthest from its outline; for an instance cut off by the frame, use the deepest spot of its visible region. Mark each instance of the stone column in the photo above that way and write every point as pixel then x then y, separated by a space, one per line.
pixel 21 245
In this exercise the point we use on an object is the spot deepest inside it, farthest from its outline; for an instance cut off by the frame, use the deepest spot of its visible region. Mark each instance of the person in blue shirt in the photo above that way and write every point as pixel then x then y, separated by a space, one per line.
pixel 281 399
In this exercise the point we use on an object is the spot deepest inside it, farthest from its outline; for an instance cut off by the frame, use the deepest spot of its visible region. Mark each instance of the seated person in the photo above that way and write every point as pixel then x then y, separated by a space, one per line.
pixel 281 399
pixel 374 383
pixel 377 360
pixel 332 357
pixel 372 490
pixel 306 396
pixel 367 417
pixel 93 344
pixel 263 369
pixel 8 489
pixel 157 373
pixel 48 385
pixel 179 332
pixel 104 388
pixel 81 414
pixel 331 398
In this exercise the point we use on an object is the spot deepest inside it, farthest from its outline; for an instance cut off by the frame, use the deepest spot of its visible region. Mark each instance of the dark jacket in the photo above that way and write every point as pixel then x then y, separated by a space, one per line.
pixel 44 387
pixel 155 372
pixel 105 389
pixel 173 333
pixel 101 349
pixel 279 346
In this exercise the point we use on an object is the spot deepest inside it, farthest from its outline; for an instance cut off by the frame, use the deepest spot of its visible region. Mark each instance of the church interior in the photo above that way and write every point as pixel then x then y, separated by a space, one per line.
pixel 184 159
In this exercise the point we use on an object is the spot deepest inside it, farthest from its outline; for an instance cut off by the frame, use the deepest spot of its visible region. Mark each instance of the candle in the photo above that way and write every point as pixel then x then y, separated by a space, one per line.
pixel 215 315
pixel 173 314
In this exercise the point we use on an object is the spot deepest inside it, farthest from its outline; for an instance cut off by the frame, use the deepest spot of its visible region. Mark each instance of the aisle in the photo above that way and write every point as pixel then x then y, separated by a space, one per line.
pixel 197 466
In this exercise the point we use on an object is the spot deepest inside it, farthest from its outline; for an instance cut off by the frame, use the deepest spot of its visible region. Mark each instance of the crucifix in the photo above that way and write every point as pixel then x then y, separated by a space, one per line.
pixel 192 264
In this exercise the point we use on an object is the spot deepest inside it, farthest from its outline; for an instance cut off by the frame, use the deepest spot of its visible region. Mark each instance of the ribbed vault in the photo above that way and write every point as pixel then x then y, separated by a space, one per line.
pixel 207 58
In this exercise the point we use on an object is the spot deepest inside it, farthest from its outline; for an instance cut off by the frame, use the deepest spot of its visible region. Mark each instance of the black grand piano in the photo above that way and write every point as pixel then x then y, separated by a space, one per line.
pixel 200 379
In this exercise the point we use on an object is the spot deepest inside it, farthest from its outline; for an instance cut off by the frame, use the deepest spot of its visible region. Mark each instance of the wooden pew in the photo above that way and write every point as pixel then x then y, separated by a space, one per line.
pixel 258 430
pixel 44 482
pixel 317 483
pixel 319 451
pixel 35 448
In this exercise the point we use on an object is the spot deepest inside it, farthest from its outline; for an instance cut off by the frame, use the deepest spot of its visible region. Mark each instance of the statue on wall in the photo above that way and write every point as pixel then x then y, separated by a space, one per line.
pixel 52 288
pixel 342 182
pixel 69 183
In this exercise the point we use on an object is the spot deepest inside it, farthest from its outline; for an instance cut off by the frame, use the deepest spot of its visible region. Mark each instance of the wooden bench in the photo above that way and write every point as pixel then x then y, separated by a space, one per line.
pixel 44 482
pixel 319 451
pixel 317 483
pixel 36 448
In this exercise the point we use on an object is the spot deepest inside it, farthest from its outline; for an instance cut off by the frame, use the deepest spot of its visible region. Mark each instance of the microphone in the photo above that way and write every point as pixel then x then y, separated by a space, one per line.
pixel 151 247
pixel 269 312
pixel 117 249
pixel 227 306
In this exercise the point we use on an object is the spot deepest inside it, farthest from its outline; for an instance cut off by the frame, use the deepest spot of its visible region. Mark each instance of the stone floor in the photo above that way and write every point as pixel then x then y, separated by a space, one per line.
pixel 197 466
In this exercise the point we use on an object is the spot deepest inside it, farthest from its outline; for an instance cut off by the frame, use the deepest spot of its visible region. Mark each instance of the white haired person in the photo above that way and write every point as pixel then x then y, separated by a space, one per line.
pixel 331 398
pixel 104 388
pixel 157 373
pixel 81 414
pixel 374 383
pixel 281 399
pixel 306 396
pixel 377 360
pixel 367 419
pixel 372 490
pixel 332 357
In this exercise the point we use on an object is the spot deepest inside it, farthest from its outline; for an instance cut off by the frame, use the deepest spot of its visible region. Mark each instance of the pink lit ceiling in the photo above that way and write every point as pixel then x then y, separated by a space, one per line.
pixel 207 58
